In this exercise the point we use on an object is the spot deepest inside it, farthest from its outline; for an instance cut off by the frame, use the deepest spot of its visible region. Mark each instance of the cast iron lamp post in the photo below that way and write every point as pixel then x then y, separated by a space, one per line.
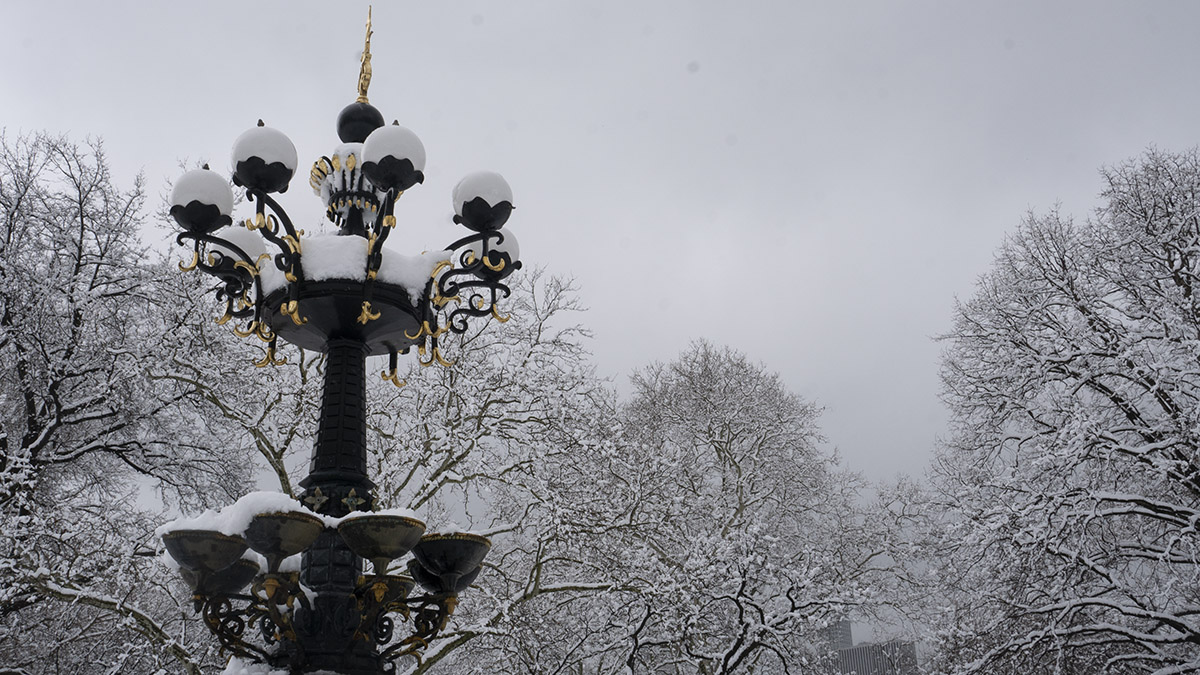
pixel 349 298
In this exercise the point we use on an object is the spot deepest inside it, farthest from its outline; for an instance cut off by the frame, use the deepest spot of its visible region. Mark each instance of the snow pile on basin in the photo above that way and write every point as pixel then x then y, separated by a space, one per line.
pixel 237 666
pixel 404 513
pixel 330 256
pixel 453 528
pixel 235 518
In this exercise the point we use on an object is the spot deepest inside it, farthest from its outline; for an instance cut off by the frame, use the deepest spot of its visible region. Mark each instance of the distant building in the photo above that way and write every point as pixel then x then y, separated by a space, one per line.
pixel 889 658
pixel 838 635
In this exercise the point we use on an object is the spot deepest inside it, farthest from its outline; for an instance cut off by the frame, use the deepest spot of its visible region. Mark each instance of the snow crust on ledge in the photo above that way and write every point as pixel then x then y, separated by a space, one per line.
pixel 405 513
pixel 235 518
pixel 330 256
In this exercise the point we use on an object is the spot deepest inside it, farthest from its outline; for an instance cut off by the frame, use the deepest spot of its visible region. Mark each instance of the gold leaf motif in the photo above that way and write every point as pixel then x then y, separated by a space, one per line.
pixel 351 162
pixel 389 221
pixel 293 242
pixel 391 376
pixel 269 359
pixel 437 268
pixel 316 499
pixel 437 356
pixel 496 314
pixel 264 332
pixel 191 265
pixel 367 314
pixel 495 268
pixel 250 329
pixel 353 501
pixel 320 171
pixel 421 351
pixel 291 309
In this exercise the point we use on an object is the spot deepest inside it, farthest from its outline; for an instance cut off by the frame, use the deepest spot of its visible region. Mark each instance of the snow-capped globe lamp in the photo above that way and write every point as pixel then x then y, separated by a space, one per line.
pixel 345 295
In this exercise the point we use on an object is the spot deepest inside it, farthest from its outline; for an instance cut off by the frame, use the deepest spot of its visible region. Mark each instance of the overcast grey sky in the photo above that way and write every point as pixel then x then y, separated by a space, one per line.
pixel 810 183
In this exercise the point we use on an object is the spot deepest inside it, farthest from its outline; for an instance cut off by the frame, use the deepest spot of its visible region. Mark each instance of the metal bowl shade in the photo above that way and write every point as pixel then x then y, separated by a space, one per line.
pixel 443 584
pixel 222 582
pixel 450 557
pixel 381 538
pixel 391 588
pixel 282 534
pixel 203 550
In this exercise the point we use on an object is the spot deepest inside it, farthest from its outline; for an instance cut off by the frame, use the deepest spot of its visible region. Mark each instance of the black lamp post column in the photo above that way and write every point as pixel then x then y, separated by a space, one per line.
pixel 336 485
pixel 337 480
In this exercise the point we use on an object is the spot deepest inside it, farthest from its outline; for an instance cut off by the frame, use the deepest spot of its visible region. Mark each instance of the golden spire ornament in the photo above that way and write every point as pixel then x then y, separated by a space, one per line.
pixel 364 71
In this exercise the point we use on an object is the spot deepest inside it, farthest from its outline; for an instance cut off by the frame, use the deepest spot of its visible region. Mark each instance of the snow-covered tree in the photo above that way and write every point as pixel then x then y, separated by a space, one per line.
pixel 87 435
pixel 751 540
pixel 1068 494
pixel 695 528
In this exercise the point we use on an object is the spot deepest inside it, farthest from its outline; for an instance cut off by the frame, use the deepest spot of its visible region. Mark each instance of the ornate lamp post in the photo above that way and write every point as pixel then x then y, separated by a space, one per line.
pixel 348 297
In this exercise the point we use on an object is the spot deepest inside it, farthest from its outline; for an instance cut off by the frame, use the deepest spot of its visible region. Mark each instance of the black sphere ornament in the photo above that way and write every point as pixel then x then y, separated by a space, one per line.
pixel 357 121
pixel 391 173
pixel 480 216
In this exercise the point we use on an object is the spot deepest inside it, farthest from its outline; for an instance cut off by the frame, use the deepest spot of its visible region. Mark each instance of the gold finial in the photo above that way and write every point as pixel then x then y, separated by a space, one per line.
pixel 364 71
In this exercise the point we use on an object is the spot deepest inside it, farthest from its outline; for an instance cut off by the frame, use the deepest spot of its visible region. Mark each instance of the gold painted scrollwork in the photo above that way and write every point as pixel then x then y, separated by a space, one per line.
pixel 441 301
pixel 242 264
pixel 292 242
pixel 291 309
